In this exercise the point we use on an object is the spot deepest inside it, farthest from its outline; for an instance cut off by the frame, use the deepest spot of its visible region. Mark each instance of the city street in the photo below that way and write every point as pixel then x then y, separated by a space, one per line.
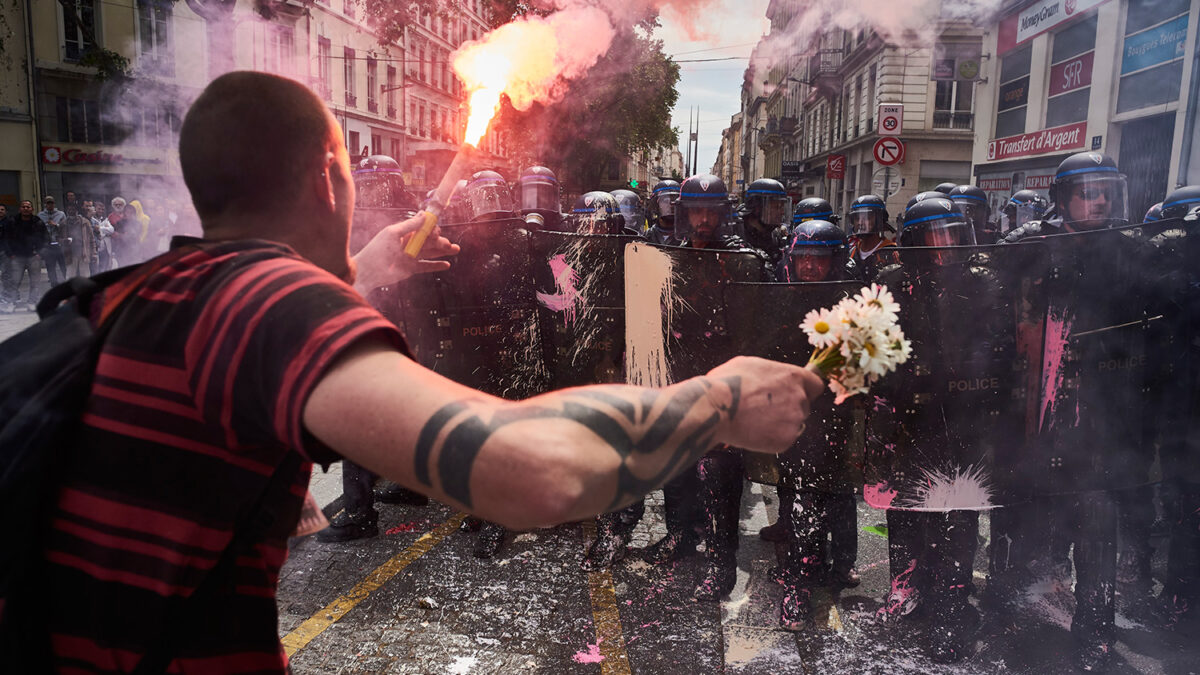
pixel 414 600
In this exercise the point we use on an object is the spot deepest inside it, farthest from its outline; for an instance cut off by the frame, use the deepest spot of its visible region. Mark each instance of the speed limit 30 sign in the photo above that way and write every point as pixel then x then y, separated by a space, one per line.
pixel 891 119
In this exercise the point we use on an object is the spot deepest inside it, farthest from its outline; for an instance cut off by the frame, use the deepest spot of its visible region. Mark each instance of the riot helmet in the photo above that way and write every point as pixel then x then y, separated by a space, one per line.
pixel 973 202
pixel 596 212
pixel 815 252
pixel 945 188
pixel 936 222
pixel 702 208
pixel 812 208
pixel 538 192
pixel 868 215
pixel 1180 202
pixel 768 203
pixel 457 209
pixel 1089 192
pixel 662 200
pixel 488 197
pixel 379 183
pixel 922 196
pixel 629 205
pixel 1025 206
pixel 1153 214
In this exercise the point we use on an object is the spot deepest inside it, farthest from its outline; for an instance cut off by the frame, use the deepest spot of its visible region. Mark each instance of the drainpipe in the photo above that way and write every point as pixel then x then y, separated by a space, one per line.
pixel 39 175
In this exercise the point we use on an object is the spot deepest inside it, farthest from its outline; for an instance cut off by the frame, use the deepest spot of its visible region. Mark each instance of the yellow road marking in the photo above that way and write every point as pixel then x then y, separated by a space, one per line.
pixel 607 617
pixel 316 624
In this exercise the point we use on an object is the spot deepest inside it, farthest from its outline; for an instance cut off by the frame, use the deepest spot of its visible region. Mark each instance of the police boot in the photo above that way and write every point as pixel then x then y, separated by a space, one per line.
pixel 388 492
pixel 608 547
pixel 795 610
pixel 346 526
pixel 954 623
pixel 470 524
pixel 905 543
pixel 681 502
pixel 491 536
pixel 1093 624
pixel 1180 595
pixel 719 471
pixel 843 544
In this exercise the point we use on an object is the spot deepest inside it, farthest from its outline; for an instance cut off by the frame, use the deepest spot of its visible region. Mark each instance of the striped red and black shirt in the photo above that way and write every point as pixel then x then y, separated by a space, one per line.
pixel 198 396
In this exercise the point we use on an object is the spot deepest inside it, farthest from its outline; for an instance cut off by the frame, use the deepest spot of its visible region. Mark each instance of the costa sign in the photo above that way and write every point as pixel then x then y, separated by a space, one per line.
pixel 53 155
pixel 1016 29
pixel 1054 139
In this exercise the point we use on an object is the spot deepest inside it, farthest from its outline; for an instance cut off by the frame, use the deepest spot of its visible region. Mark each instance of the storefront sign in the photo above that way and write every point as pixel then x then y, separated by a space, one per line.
pixel 1014 94
pixel 995 184
pixel 1039 18
pixel 1154 46
pixel 1071 75
pixel 791 168
pixel 1038 181
pixel 53 155
pixel 835 167
pixel 1054 139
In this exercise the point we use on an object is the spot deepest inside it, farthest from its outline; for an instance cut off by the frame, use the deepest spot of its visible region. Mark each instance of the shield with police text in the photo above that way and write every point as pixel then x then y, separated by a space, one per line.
pixel 1095 369
pixel 477 322
pixel 937 425
pixel 579 284
pixel 764 320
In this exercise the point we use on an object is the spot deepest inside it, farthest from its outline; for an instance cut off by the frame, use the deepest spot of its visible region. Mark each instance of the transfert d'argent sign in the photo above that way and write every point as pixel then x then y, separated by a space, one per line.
pixel 1038 18
pixel 1054 139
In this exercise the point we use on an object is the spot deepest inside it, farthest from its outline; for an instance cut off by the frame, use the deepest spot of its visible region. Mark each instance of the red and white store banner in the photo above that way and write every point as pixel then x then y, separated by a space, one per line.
pixel 1054 139
pixel 1038 18
pixel 1072 74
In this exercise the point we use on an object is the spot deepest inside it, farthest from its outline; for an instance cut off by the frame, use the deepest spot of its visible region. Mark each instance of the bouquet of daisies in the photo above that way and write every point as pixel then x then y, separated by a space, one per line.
pixel 856 341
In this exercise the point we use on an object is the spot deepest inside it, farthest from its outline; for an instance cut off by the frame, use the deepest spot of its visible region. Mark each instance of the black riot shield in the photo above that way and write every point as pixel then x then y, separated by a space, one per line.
pixel 937 426
pixel 580 292
pixel 477 322
pixel 675 307
pixel 764 320
pixel 1096 367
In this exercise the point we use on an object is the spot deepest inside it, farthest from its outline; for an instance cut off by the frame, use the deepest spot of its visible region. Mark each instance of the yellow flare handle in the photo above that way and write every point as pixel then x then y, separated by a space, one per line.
pixel 413 248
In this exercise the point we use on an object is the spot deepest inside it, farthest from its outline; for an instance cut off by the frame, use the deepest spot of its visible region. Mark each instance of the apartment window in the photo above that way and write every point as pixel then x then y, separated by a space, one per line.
pixel 870 99
pixel 1013 101
pixel 372 85
pixel 281 49
pixel 1152 60
pixel 154 36
pixel 953 105
pixel 348 70
pixel 413 120
pixel 421 64
pixel 422 121
pixel 434 72
pixel 352 143
pixel 79 27
pixel 79 121
pixel 445 66
pixel 1070 74
pixel 376 144
pixel 349 8
pixel 391 91
pixel 443 130
pixel 395 148
pixel 325 66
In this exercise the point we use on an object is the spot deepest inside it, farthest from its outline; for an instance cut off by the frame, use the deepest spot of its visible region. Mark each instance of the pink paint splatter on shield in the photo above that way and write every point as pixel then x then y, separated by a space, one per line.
pixel 592 655
pixel 566 280
pixel 878 496
pixel 1058 333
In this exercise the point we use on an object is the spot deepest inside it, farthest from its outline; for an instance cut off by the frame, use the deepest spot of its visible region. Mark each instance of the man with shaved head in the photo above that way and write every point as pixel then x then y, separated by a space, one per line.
pixel 246 356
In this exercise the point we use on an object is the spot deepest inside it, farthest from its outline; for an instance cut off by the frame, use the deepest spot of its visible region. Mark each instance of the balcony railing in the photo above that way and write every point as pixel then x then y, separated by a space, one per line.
pixel 351 99
pixel 944 119
pixel 372 106
pixel 392 111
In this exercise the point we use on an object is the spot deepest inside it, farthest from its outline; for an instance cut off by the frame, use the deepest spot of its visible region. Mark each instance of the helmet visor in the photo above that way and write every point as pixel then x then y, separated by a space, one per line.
pixel 975 212
pixel 539 196
pixel 864 222
pixel 775 211
pixel 634 216
pixel 488 198
pixel 1094 200
pixel 810 265
pixel 701 220
pixel 945 233
pixel 665 202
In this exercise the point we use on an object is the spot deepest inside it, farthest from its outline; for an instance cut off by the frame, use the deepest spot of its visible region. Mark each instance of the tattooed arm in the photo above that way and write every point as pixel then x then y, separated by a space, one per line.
pixel 552 458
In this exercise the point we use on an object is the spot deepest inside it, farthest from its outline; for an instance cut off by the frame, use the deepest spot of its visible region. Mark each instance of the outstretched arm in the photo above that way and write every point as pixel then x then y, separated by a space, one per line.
pixel 552 458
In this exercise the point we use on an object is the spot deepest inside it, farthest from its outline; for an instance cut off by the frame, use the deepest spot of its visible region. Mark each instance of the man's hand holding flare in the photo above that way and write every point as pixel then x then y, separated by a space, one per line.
pixel 382 262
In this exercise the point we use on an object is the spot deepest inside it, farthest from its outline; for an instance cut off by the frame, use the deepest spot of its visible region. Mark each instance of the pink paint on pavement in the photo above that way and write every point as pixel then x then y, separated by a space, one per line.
pixel 566 280
pixel 592 655
pixel 1053 355
pixel 402 527
pixel 878 496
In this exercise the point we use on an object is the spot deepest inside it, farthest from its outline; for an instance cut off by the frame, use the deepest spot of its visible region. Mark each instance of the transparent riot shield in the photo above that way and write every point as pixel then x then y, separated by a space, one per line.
pixel 477 323
pixel 942 431
pixel 764 320
pixel 580 292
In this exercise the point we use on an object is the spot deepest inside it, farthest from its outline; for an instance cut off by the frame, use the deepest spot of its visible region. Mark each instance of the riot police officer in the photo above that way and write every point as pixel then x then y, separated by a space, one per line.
pixel 1154 213
pixel 1023 206
pixel 1098 445
pixel 812 208
pixel 539 195
pixel 817 479
pixel 931 552
pixel 766 214
pixel 919 197
pixel 973 202
pixel 945 188
pixel 488 197
pixel 630 206
pixel 870 233
pixel 661 213
pixel 597 212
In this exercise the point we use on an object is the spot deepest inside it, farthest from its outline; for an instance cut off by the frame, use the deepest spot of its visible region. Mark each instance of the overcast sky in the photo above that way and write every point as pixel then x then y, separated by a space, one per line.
pixel 731 27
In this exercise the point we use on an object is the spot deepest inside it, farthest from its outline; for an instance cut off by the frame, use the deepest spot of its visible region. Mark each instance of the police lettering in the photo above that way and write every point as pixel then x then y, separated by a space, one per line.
pixel 482 331
pixel 1123 364
pixel 975 384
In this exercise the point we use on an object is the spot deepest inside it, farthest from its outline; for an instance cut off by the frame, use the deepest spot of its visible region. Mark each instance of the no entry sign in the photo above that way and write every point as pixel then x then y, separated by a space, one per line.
pixel 889 151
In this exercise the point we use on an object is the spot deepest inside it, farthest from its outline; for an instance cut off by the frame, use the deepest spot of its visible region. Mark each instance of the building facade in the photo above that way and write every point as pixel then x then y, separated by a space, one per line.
pixel 1113 76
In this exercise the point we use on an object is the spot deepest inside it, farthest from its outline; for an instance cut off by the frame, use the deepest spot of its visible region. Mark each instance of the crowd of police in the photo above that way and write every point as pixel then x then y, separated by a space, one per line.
pixel 931 550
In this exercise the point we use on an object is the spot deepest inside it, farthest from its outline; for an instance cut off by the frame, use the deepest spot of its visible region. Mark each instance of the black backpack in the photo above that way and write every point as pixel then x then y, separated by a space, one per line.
pixel 46 374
